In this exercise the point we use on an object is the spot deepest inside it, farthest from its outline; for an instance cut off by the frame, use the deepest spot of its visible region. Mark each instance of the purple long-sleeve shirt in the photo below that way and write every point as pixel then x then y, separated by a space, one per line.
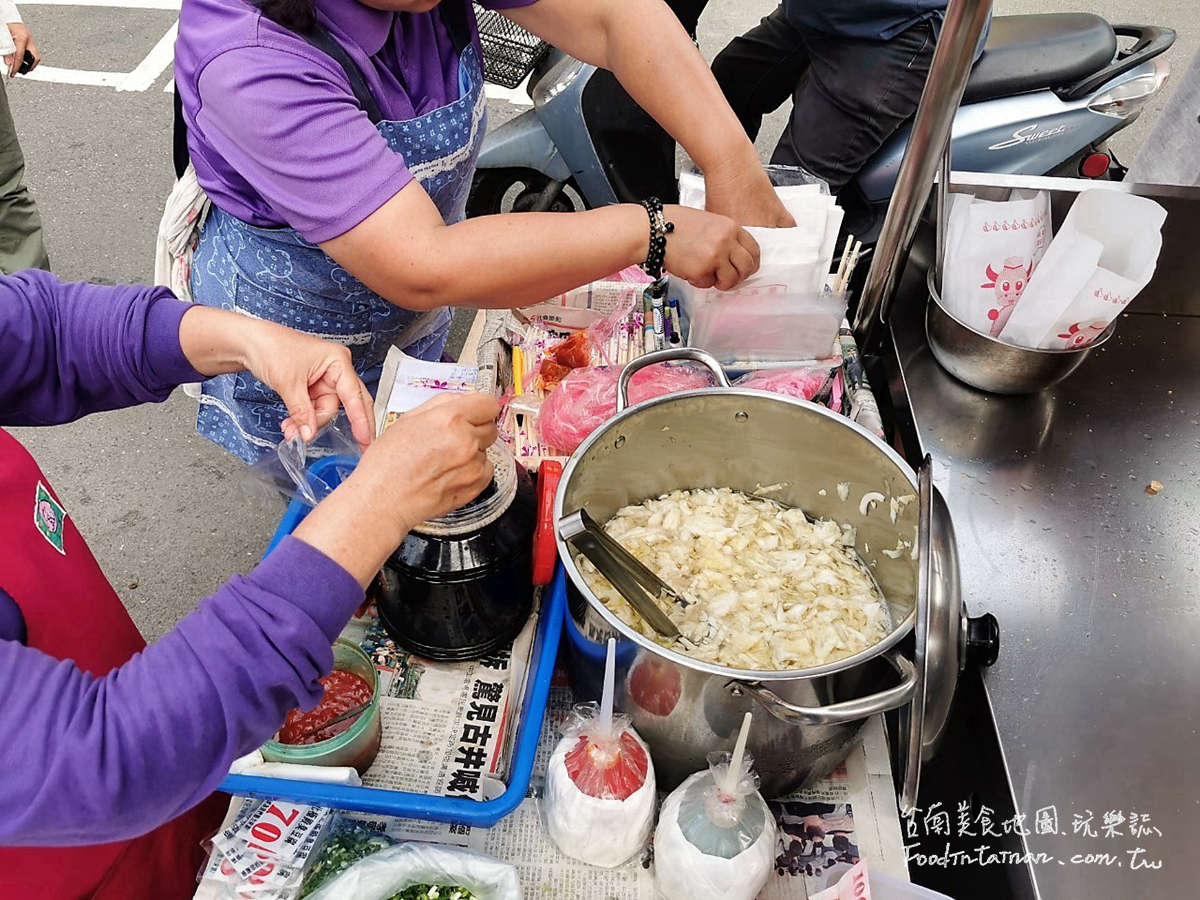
pixel 155 736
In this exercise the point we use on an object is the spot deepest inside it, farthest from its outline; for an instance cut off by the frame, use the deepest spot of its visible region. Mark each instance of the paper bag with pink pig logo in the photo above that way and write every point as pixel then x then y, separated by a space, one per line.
pixel 992 248
pixel 1103 255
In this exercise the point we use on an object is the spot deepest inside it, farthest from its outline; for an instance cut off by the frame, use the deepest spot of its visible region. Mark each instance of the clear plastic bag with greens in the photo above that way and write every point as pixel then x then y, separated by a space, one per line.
pixel 716 836
pixel 420 871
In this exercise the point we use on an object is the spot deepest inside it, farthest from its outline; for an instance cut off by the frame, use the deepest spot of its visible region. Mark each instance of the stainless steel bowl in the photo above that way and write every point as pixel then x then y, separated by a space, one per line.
pixel 991 365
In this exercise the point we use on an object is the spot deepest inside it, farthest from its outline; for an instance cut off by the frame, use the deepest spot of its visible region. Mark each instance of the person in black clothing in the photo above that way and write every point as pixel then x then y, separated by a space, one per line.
pixel 854 71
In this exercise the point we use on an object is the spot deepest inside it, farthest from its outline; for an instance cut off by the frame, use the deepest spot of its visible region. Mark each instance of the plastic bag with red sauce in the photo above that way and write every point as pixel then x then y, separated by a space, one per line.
pixel 600 794
pixel 587 398
pixel 610 767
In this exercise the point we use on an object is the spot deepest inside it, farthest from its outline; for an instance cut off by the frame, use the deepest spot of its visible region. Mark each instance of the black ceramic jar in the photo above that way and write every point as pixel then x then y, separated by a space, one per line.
pixel 461 587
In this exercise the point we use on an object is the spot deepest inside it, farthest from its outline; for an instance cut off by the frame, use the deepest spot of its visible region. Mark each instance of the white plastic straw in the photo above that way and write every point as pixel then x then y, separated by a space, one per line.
pixel 739 750
pixel 606 698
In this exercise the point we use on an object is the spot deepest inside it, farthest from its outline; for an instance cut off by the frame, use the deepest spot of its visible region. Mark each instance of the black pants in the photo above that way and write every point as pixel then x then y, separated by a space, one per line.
pixel 848 95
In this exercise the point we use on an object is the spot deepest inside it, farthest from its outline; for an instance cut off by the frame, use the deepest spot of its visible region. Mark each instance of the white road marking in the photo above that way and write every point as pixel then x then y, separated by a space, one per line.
pixel 155 63
pixel 55 75
pixel 117 4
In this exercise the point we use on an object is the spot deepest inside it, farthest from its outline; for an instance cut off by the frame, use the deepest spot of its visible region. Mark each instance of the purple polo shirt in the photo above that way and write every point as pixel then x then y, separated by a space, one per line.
pixel 274 131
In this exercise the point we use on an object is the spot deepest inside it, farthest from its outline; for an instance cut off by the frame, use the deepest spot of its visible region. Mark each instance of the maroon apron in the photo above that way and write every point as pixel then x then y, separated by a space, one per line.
pixel 71 612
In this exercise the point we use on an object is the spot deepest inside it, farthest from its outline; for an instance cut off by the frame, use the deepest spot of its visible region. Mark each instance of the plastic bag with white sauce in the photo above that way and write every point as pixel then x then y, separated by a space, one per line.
pixel 716 836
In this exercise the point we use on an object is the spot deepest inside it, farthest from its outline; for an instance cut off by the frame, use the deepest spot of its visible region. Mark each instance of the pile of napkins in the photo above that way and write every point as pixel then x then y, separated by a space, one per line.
pixel 798 259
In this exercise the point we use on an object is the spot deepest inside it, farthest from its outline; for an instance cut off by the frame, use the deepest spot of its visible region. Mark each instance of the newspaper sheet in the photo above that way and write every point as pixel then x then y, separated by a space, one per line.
pixel 406 383
pixel 823 830
pixel 446 726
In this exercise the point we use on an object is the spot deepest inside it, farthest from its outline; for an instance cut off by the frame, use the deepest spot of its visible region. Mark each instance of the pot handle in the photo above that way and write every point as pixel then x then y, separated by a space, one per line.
pixel 670 355
pixel 837 713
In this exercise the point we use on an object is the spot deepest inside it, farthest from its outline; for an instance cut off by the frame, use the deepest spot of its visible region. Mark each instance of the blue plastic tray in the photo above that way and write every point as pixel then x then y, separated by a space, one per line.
pixel 456 810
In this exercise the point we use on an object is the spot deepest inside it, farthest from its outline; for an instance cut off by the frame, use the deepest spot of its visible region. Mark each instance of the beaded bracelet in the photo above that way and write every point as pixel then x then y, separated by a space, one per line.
pixel 659 229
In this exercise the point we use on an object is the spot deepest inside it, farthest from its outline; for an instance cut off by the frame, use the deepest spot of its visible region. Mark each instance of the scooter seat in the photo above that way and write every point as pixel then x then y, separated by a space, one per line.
pixel 1033 53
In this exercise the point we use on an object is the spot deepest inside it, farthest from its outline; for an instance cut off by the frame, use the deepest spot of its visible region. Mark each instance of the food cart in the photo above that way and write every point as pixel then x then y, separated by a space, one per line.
pixel 1056 773
pixel 1071 508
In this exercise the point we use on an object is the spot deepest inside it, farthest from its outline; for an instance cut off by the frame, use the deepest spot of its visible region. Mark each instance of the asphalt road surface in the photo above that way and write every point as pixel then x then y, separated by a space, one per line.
pixel 169 515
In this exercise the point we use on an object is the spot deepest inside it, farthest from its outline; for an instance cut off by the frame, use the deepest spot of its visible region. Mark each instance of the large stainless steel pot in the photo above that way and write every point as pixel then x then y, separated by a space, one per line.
pixel 804 720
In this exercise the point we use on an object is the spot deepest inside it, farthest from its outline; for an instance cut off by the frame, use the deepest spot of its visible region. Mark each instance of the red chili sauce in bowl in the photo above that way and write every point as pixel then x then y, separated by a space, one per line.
pixel 344 691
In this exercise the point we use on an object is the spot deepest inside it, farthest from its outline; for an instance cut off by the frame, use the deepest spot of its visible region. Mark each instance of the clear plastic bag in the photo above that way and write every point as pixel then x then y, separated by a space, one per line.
pixel 716 837
pixel 379 876
pixel 600 792
pixel 287 469
pixel 586 398
pixel 602 342
pixel 802 382
pixel 349 841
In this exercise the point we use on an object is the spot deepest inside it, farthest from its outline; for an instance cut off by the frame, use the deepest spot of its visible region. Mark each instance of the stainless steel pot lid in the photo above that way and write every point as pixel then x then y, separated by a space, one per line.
pixel 913 719
pixel 945 639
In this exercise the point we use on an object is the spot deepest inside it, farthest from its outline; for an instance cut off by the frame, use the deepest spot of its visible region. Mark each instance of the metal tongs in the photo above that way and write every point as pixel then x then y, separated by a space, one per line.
pixel 633 581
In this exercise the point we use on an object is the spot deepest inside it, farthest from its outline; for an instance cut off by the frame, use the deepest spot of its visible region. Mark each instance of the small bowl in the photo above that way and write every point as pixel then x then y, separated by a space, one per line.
pixel 991 365
pixel 358 744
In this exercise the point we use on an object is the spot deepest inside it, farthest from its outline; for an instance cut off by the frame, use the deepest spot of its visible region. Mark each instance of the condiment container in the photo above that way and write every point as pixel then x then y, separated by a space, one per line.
pixel 358 744
pixel 461 586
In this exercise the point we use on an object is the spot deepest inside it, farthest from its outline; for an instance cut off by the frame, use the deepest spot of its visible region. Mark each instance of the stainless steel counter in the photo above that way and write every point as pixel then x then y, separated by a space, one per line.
pixel 1096 694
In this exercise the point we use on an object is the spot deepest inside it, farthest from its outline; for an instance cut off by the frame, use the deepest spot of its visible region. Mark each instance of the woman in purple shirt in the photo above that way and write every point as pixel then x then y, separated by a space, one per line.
pixel 338 206
pixel 109 745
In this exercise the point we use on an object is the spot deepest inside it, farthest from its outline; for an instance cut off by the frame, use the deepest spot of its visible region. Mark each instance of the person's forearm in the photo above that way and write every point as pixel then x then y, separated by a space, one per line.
pixel 219 341
pixel 666 75
pixel 492 261
pixel 671 81
pixel 68 349
pixel 335 528
pixel 90 760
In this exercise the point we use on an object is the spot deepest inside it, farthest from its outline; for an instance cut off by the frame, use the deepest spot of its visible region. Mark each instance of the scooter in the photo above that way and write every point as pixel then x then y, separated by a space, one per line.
pixel 1043 98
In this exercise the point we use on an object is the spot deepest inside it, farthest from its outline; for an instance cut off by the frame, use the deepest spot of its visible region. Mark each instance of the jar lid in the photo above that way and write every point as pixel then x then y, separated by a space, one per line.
pixel 485 509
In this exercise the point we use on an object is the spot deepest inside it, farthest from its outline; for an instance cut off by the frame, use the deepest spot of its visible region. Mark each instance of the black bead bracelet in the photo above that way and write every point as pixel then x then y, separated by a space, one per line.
pixel 659 229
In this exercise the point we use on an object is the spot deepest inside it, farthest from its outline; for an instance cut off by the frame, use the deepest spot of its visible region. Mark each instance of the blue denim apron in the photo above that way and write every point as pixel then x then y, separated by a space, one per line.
pixel 275 274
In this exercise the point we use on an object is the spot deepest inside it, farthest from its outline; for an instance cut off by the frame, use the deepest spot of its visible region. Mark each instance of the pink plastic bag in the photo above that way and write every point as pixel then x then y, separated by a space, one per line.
pixel 586 398
pixel 803 383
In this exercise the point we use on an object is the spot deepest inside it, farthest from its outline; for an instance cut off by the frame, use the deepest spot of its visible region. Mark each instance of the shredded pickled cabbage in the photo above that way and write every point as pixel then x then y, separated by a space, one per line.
pixel 766 588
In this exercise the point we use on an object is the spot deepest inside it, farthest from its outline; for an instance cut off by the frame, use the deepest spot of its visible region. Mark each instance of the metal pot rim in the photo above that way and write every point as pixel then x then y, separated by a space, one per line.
pixel 897 633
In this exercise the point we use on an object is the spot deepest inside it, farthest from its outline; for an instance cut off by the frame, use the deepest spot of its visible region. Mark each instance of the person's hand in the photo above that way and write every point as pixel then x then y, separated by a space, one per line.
pixel 23 41
pixel 709 250
pixel 432 459
pixel 311 376
pixel 744 193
